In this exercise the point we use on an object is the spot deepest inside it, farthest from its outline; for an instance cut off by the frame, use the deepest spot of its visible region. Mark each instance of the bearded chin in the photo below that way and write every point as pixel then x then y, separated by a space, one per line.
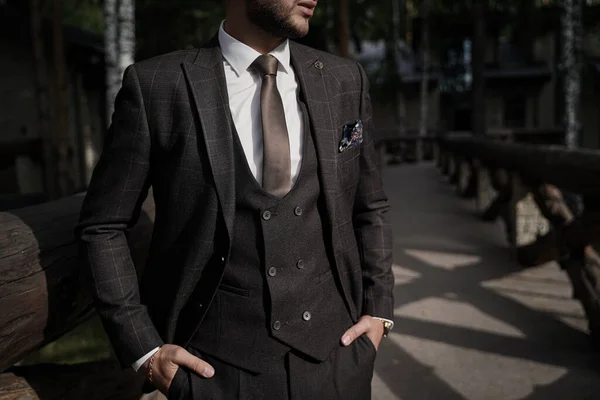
pixel 274 19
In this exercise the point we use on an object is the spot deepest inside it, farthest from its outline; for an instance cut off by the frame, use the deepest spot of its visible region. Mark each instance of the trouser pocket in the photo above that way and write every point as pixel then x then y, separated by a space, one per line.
pixel 180 386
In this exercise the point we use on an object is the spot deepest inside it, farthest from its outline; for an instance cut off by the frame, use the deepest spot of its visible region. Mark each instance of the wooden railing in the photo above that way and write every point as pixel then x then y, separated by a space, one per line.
pixel 395 148
pixel 528 186
pixel 42 298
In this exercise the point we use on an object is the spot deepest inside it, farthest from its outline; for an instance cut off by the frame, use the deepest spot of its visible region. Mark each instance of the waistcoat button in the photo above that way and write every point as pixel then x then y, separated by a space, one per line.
pixel 306 316
pixel 300 264
pixel 266 215
pixel 298 211
pixel 272 271
pixel 277 325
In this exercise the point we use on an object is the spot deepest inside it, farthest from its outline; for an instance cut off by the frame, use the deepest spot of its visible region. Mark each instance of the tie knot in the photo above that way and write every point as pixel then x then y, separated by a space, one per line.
pixel 266 65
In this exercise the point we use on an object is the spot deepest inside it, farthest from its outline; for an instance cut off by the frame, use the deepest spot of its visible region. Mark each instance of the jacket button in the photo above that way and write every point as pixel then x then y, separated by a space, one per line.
pixel 277 325
pixel 318 65
pixel 266 215
pixel 298 211
pixel 300 264
pixel 306 316
pixel 272 271
pixel 222 260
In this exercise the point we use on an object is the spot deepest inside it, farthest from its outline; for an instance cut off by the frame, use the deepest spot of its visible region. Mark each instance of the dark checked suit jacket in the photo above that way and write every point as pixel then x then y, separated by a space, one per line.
pixel 172 130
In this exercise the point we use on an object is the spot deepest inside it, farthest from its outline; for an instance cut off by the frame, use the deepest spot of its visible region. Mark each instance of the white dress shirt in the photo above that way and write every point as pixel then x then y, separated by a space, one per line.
pixel 243 87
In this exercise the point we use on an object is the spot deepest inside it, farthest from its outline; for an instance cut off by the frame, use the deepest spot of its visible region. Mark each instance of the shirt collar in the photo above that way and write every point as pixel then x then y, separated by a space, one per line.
pixel 240 56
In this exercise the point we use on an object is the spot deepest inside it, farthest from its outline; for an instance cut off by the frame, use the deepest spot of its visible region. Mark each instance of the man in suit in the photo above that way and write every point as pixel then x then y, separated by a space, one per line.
pixel 269 271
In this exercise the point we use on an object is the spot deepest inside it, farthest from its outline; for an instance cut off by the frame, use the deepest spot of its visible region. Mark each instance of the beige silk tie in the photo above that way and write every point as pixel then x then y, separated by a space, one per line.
pixel 277 168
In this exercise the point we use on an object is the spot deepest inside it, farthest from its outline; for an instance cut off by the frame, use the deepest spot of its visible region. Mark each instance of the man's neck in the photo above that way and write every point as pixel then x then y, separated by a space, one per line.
pixel 251 35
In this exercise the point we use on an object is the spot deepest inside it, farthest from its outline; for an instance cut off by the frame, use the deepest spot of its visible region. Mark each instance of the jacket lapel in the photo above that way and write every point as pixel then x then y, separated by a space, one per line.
pixel 313 78
pixel 206 77
pixel 312 75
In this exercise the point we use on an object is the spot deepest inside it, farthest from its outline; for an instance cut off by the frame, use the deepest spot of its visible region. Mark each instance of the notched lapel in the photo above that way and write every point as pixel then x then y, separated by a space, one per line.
pixel 206 78
pixel 313 76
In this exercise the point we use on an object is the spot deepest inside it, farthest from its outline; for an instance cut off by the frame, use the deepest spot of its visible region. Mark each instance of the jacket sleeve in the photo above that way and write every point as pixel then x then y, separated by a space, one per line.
pixel 371 225
pixel 113 203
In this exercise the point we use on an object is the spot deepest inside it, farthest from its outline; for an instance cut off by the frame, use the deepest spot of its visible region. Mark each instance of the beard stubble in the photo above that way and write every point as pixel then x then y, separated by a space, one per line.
pixel 275 18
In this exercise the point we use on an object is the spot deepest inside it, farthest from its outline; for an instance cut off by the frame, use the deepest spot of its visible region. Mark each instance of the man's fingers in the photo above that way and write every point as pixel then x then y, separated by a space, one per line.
pixel 355 331
pixel 197 365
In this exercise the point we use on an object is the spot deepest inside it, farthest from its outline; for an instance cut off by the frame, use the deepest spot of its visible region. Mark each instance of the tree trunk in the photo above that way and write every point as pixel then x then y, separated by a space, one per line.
pixel 126 34
pixel 479 125
pixel 43 97
pixel 63 154
pixel 344 28
pixel 119 42
pixel 410 4
pixel 397 36
pixel 424 78
pixel 571 48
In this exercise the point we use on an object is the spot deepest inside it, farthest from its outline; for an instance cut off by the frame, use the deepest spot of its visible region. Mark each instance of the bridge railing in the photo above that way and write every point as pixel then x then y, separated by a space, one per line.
pixel 42 298
pixel 548 198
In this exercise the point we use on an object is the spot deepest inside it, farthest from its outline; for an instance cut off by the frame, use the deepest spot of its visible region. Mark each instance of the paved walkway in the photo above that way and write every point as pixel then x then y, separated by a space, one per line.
pixel 470 323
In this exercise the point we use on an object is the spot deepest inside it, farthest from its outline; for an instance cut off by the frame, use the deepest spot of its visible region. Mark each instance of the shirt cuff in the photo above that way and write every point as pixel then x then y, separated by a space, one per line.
pixel 385 320
pixel 137 365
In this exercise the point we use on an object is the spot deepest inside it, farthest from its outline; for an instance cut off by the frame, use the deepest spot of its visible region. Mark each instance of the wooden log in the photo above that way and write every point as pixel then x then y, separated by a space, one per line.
pixel 485 191
pixel 569 244
pixel 498 206
pixel 498 193
pixel 14 387
pixel 587 294
pixel 575 170
pixel 540 224
pixel 525 220
pixel 445 160
pixel 467 179
pixel 453 168
pixel 41 294
pixel 91 381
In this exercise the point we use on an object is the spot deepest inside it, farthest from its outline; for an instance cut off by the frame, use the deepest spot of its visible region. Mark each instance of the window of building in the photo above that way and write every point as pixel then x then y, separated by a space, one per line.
pixel 515 111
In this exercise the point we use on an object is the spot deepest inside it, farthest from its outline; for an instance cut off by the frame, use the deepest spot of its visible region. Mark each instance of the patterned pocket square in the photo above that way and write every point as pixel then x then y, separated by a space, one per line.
pixel 352 135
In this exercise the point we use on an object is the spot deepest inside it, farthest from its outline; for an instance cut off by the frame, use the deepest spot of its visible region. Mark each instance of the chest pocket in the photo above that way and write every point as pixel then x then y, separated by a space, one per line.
pixel 349 155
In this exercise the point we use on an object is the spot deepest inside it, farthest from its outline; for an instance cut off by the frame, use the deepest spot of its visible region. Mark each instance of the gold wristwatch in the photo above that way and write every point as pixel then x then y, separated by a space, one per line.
pixel 387 325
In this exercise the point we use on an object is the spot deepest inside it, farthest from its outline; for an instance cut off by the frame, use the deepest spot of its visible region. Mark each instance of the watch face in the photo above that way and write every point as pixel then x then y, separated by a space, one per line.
pixel 386 328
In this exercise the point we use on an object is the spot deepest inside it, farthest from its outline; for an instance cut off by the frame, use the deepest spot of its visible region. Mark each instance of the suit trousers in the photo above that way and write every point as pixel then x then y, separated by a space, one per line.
pixel 346 375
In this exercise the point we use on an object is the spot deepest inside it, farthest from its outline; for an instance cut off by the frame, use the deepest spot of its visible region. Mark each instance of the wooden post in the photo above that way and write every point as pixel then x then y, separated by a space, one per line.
pixel 453 168
pixel 485 190
pixel 466 177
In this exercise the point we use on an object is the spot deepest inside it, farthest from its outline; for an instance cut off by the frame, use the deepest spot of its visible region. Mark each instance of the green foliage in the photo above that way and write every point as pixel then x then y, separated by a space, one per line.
pixel 84 14
pixel 86 343
pixel 167 26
